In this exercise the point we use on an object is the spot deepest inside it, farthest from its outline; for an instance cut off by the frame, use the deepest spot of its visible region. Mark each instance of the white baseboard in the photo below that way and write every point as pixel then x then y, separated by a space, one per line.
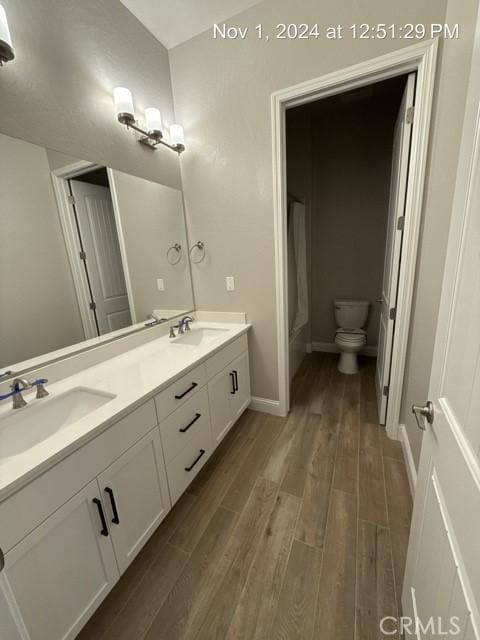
pixel 331 347
pixel 266 406
pixel 407 454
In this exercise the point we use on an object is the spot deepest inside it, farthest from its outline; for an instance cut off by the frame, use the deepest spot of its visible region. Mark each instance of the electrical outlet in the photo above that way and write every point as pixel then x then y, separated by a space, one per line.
pixel 160 284
pixel 230 282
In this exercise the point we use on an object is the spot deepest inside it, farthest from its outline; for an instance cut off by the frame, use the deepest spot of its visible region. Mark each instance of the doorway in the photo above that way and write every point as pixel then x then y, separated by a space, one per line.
pixel 344 231
pixel 418 60
pixel 93 243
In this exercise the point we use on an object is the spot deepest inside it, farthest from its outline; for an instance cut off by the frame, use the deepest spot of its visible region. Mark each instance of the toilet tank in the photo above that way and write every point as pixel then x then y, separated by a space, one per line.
pixel 351 314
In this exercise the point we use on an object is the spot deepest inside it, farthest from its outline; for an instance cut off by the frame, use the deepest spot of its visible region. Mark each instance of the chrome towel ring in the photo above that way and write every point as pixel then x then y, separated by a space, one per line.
pixel 174 258
pixel 201 248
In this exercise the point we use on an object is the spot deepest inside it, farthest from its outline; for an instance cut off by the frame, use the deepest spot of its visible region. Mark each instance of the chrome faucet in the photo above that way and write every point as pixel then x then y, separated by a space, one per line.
pixel 21 384
pixel 182 326
pixel 17 386
pixel 186 320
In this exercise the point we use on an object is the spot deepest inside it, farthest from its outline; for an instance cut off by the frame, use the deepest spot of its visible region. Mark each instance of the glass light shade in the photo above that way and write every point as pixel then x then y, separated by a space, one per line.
pixel 4 30
pixel 123 100
pixel 153 120
pixel 176 135
pixel 6 48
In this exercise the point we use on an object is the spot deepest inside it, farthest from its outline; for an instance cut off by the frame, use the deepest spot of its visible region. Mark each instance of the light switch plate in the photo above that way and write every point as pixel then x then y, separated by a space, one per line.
pixel 160 284
pixel 230 282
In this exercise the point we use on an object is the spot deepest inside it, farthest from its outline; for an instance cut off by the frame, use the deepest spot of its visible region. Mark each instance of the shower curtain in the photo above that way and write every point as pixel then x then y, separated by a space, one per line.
pixel 297 269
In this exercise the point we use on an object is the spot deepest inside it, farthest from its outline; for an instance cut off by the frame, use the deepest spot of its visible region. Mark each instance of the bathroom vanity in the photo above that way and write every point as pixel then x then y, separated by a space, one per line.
pixel 88 473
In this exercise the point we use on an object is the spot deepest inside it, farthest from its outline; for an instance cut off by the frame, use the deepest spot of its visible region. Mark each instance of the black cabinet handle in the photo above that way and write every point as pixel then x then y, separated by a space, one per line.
pixel 182 395
pixel 235 373
pixel 202 452
pixel 115 519
pixel 104 529
pixel 184 429
pixel 232 376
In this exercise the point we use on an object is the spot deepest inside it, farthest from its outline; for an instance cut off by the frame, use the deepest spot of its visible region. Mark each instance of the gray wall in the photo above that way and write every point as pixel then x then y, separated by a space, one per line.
pixel 37 297
pixel 222 95
pixel 58 91
pixel 349 165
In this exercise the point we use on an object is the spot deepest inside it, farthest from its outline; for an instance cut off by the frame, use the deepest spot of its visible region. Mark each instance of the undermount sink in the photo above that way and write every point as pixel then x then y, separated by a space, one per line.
pixel 22 429
pixel 199 336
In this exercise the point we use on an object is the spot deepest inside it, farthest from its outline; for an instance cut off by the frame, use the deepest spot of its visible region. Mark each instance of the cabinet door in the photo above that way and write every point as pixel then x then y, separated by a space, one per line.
pixel 241 398
pixel 135 494
pixel 220 390
pixel 57 576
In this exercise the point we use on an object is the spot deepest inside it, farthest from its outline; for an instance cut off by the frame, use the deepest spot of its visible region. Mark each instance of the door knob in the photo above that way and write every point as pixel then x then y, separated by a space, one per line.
pixel 425 411
pixel 380 300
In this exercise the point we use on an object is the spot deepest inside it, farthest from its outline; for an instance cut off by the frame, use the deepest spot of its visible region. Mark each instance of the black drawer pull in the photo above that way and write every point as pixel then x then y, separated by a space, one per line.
pixel 232 376
pixel 202 452
pixel 115 519
pixel 104 529
pixel 235 373
pixel 197 416
pixel 182 395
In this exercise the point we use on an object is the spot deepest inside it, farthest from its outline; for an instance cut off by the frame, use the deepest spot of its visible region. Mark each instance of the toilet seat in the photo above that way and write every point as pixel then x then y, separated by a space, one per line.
pixel 354 336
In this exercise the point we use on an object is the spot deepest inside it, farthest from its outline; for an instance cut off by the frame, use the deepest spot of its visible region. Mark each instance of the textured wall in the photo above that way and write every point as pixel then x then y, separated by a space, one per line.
pixel 222 95
pixel 350 168
pixel 58 91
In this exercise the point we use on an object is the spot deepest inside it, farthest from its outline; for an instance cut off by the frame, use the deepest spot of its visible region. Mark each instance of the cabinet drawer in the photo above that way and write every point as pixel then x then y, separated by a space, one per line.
pixel 23 511
pixel 179 392
pixel 221 359
pixel 184 424
pixel 183 469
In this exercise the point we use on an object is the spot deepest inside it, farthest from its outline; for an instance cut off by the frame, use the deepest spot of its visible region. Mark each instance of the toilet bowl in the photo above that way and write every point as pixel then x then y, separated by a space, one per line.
pixel 349 342
pixel 351 316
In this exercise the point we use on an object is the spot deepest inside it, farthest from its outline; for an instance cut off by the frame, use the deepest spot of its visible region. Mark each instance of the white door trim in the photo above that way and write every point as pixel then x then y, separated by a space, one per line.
pixel 121 240
pixel 420 58
pixel 62 194
pixel 72 244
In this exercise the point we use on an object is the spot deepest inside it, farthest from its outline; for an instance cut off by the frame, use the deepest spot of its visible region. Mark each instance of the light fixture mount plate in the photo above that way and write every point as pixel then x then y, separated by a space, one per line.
pixel 6 52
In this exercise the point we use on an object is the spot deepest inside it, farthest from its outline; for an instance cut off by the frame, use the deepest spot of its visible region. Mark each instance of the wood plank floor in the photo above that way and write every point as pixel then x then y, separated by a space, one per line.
pixel 296 529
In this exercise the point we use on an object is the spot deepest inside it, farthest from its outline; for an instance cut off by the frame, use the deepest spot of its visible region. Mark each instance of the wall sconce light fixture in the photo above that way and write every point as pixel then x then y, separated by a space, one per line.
pixel 152 135
pixel 6 48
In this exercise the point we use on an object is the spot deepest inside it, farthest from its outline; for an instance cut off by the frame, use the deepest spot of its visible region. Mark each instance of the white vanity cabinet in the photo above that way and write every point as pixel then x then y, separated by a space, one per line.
pixel 55 578
pixel 68 535
pixel 58 574
pixel 135 497
pixel 229 393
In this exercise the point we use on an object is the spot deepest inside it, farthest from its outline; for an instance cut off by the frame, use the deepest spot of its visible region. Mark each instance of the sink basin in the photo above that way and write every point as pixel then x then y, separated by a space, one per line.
pixel 199 336
pixel 24 428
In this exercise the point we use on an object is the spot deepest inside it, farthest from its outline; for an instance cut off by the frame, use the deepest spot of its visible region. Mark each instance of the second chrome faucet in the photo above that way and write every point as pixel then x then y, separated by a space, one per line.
pixel 182 326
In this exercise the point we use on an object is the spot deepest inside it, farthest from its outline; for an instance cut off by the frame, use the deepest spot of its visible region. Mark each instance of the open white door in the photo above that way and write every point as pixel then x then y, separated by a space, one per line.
pixel 442 578
pixel 99 237
pixel 393 248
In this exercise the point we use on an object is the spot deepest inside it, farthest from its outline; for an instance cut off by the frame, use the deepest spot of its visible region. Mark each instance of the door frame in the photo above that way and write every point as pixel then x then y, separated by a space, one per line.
pixel 60 178
pixel 419 58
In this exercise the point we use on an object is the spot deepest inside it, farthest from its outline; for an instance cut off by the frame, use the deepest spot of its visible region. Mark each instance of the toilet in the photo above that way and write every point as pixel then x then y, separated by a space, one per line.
pixel 351 316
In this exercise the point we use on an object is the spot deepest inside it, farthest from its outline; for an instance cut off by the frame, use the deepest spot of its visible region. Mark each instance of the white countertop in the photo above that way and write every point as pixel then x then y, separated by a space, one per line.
pixel 133 377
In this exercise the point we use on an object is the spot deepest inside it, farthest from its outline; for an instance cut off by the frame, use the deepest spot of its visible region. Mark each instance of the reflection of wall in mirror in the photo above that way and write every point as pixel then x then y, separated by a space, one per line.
pixel 152 220
pixel 39 309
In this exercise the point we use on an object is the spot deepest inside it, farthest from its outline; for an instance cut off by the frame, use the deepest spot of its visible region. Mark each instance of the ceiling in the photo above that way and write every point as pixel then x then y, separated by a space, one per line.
pixel 178 21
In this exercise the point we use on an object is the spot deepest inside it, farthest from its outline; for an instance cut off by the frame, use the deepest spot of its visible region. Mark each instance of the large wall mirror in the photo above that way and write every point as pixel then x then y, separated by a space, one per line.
pixel 85 251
